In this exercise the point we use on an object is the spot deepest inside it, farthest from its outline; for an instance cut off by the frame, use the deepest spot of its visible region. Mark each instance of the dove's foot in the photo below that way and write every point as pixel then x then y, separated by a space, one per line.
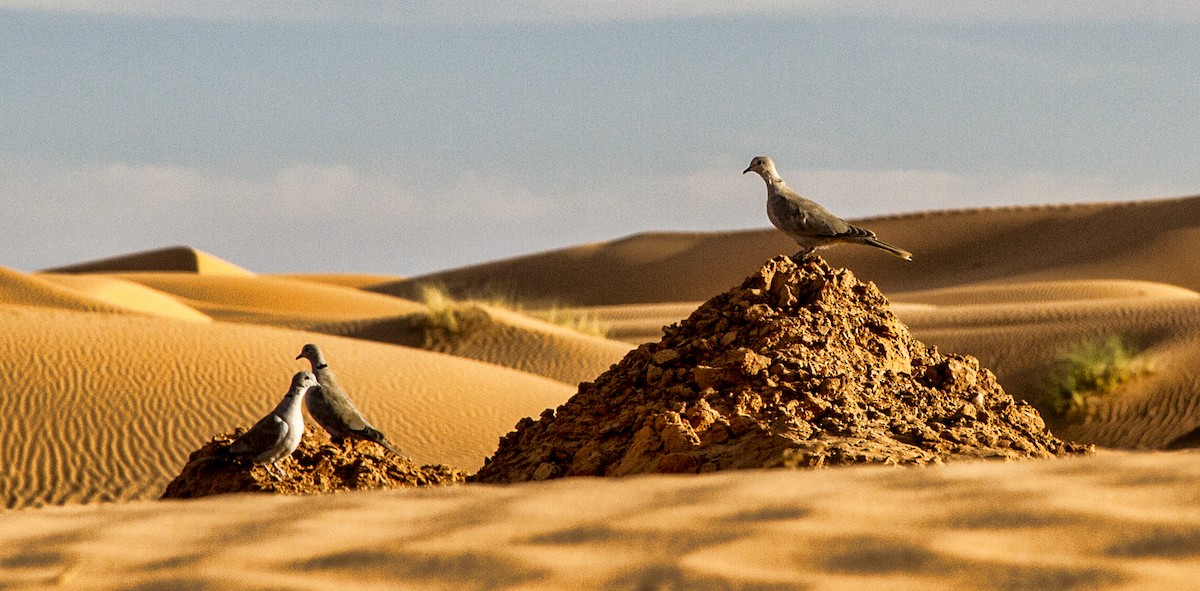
pixel 276 472
pixel 804 255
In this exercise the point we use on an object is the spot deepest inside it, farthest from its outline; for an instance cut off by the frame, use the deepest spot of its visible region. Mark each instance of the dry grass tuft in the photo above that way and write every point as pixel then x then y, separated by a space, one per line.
pixel 445 312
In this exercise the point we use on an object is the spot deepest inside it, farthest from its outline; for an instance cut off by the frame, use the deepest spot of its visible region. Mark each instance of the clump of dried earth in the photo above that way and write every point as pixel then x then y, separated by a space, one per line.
pixel 317 466
pixel 800 366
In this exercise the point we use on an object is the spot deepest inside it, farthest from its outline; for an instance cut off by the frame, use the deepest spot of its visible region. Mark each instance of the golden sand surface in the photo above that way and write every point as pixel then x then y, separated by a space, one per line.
pixel 355 280
pixel 1118 520
pixel 106 406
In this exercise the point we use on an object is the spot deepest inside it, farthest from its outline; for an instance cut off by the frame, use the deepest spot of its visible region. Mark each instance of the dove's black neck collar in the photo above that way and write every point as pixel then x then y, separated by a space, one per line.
pixel 322 366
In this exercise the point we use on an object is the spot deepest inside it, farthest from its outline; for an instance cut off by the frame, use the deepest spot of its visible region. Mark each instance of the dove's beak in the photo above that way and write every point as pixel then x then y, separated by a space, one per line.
pixel 300 356
pixel 748 169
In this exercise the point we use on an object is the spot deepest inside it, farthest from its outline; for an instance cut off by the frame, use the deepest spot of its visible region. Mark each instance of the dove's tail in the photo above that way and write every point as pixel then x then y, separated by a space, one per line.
pixel 900 252
pixel 371 434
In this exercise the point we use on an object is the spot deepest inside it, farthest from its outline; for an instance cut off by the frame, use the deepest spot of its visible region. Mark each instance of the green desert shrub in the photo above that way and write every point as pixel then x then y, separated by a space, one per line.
pixel 1091 368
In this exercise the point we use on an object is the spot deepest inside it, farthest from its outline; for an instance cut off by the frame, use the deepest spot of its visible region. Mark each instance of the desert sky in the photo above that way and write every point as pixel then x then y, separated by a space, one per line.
pixel 350 137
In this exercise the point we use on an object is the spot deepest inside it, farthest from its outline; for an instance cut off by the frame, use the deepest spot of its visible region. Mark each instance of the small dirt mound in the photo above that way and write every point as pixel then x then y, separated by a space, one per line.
pixel 317 466
pixel 799 367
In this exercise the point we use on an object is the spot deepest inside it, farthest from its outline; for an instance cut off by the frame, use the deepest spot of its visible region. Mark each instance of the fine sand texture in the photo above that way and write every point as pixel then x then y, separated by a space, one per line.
pixel 1118 520
pixel 107 407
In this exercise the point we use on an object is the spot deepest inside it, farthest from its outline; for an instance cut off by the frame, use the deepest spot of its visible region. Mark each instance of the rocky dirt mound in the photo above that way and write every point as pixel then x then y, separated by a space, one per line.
pixel 799 367
pixel 317 466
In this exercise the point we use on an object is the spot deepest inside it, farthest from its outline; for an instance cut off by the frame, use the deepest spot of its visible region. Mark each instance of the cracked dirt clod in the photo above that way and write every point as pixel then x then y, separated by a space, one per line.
pixel 817 372
pixel 317 466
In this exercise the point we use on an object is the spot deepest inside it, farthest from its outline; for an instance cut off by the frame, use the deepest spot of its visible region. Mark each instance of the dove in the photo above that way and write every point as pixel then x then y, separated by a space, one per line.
pixel 275 436
pixel 333 410
pixel 807 222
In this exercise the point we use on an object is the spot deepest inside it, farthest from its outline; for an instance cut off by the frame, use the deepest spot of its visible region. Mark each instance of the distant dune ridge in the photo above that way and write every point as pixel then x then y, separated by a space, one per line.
pixel 117 369
pixel 492 335
pixel 1136 240
pixel 181 259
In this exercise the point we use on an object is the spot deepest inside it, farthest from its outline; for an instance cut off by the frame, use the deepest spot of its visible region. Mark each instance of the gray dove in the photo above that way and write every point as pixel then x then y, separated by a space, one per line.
pixel 333 410
pixel 275 436
pixel 806 222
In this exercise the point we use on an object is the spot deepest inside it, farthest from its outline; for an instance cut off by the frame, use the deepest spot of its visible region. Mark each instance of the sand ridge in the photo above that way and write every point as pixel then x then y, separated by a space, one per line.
pixel 505 338
pixel 495 335
pixel 181 259
pixel 1086 290
pixel 355 280
pixel 90 294
pixel 638 323
pixel 272 300
pixel 127 295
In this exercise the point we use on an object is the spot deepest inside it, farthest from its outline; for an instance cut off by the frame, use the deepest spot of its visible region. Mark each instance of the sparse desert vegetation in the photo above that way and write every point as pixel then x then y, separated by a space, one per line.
pixel 1091 368
pixel 449 314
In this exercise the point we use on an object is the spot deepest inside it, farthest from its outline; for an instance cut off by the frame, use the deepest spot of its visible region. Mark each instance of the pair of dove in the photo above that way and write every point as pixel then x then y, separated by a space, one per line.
pixel 807 222
pixel 277 435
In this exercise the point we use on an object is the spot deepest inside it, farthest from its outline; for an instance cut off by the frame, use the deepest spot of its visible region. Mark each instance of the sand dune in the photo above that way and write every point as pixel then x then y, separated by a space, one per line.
pixel 127 295
pixel 494 335
pixel 90 294
pixel 501 337
pixel 1117 521
pixel 272 300
pixel 355 280
pixel 655 267
pixel 1137 240
pixel 1088 290
pixel 174 259
pixel 639 323
pixel 1021 342
pixel 19 289
pixel 107 407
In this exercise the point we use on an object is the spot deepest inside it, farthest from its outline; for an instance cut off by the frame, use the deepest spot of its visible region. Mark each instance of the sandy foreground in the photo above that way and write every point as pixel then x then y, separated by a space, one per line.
pixel 118 368
pixel 1117 521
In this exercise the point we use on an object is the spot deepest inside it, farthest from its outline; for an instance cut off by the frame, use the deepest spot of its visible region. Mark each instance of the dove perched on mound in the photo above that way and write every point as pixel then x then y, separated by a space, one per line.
pixel 807 222
pixel 333 410
pixel 275 436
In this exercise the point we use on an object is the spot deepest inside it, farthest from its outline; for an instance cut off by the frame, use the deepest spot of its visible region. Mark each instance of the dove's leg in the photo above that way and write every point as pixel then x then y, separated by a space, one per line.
pixel 803 254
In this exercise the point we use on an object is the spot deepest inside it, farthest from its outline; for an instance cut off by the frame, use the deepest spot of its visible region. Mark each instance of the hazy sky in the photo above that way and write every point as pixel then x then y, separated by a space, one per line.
pixel 403 137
